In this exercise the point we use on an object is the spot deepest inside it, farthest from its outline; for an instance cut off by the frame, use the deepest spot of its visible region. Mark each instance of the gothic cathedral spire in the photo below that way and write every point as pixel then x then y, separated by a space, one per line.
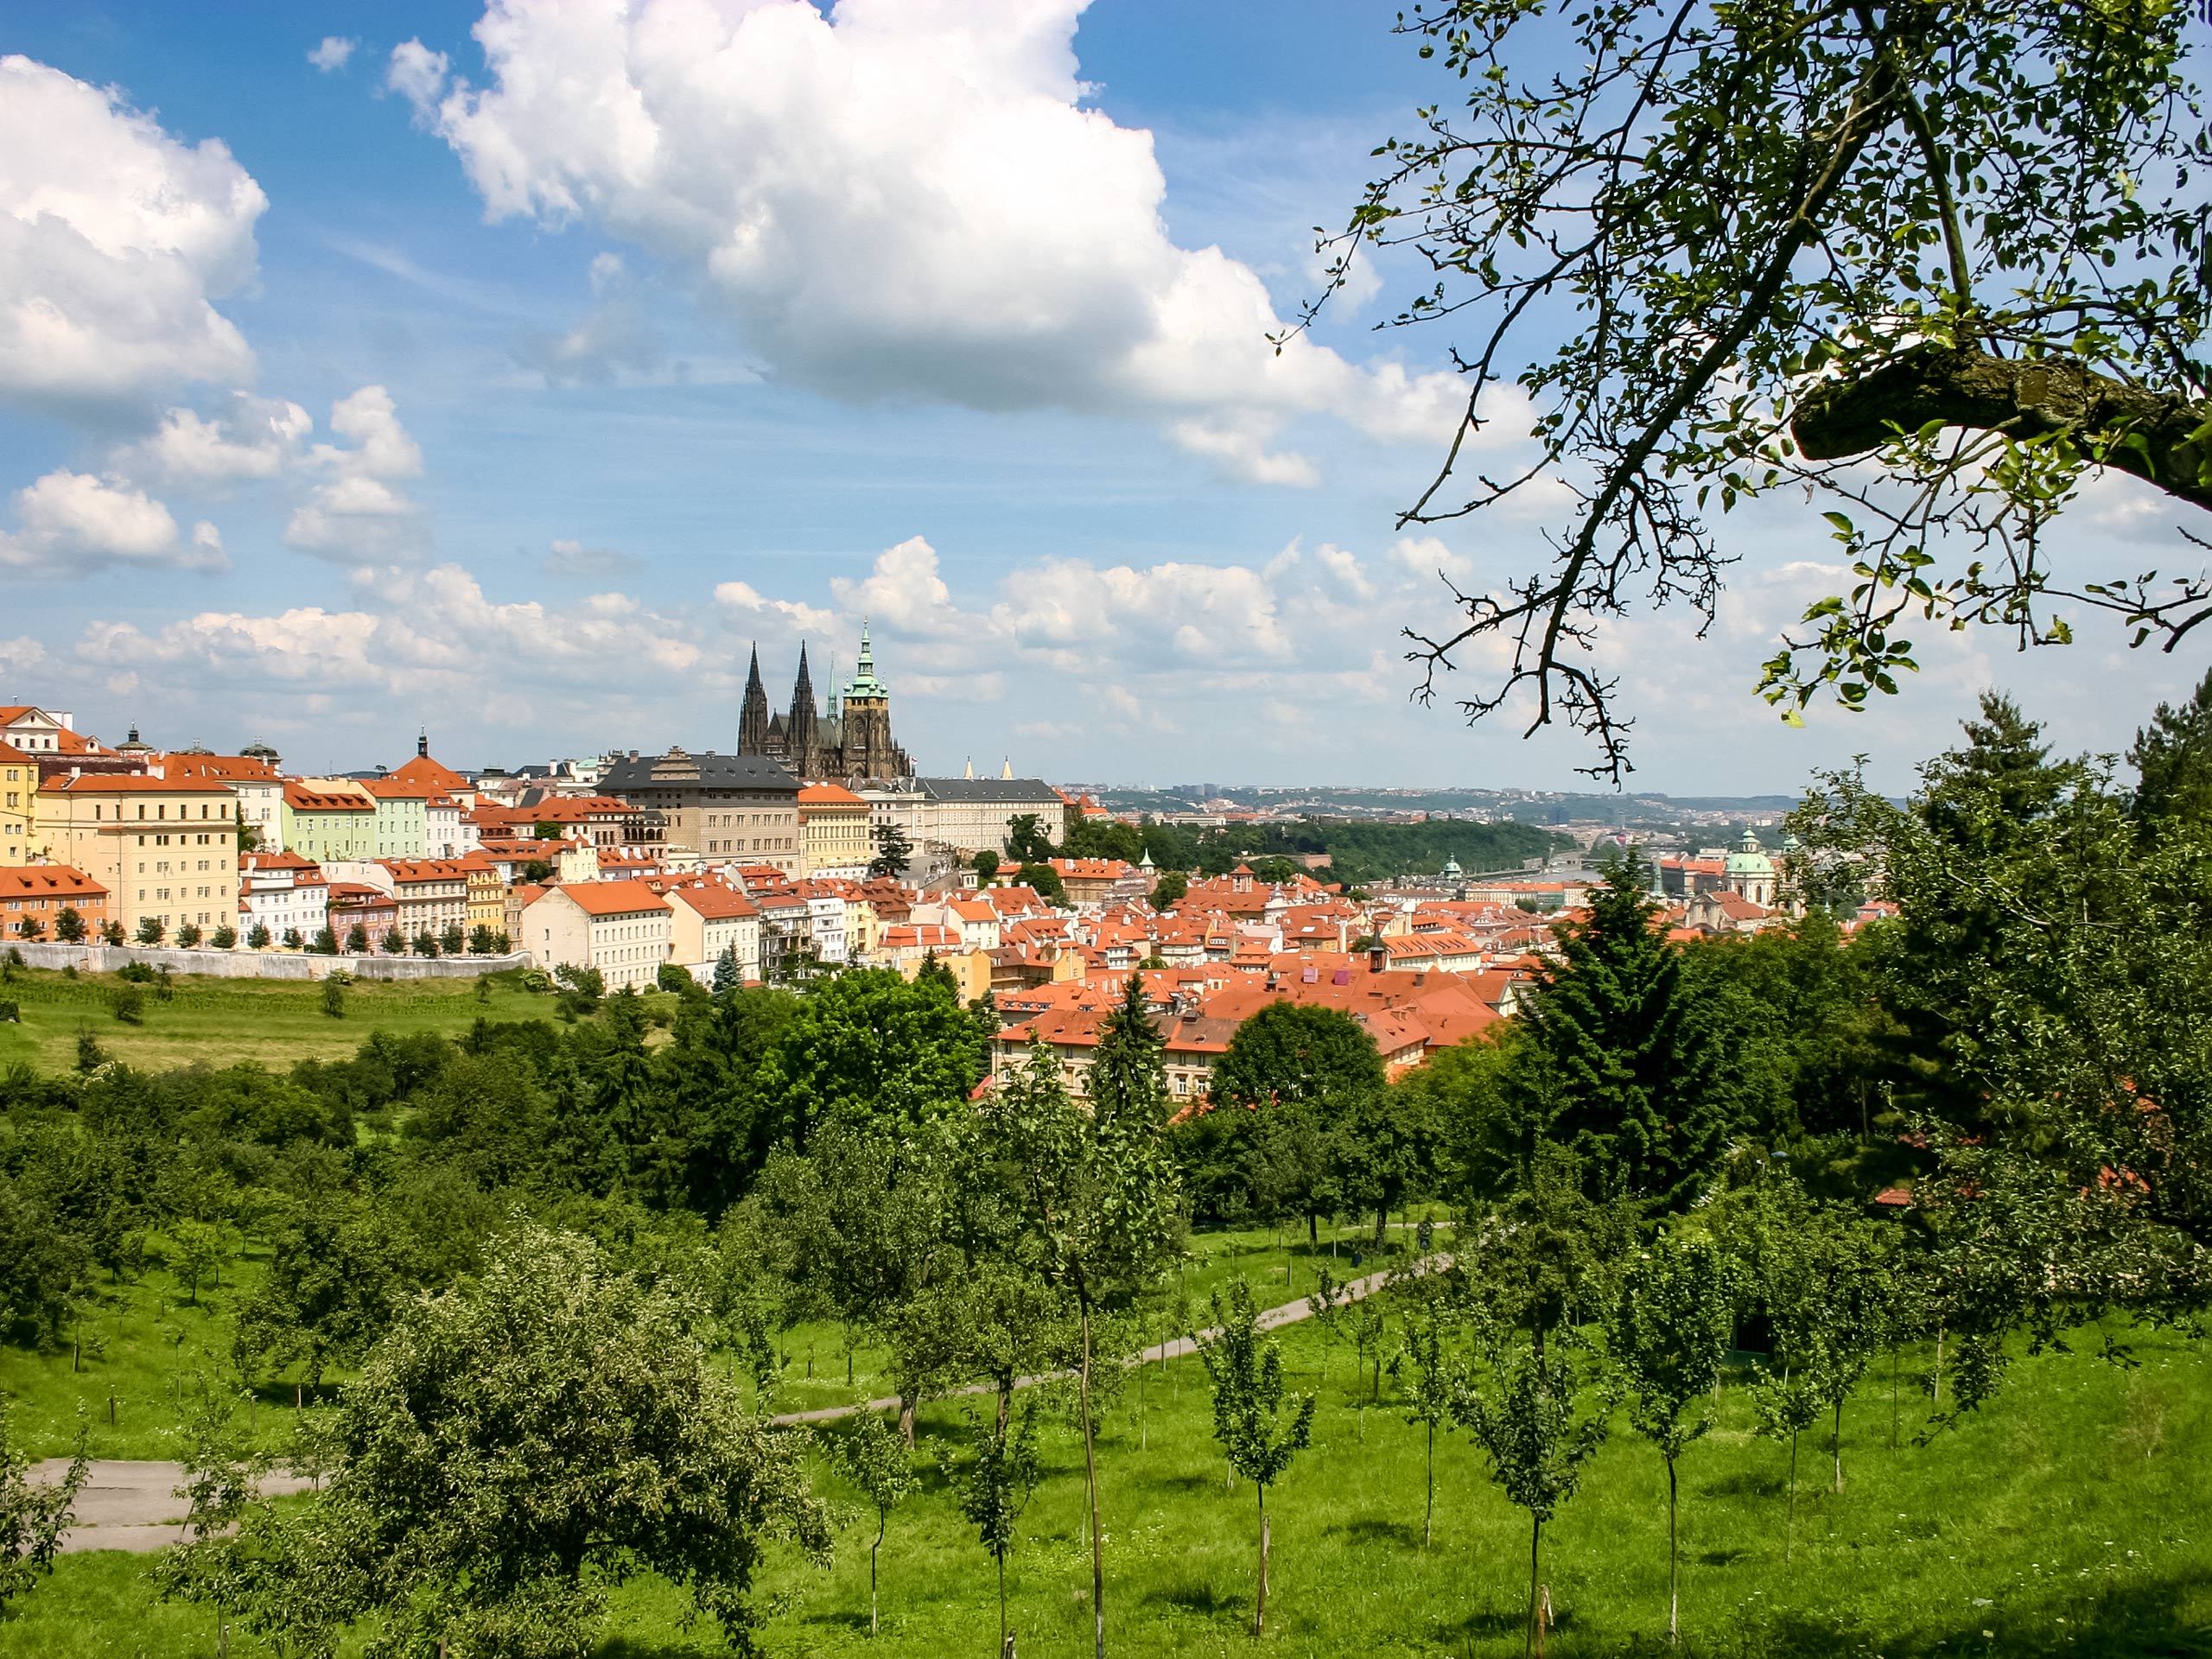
pixel 752 718
pixel 802 734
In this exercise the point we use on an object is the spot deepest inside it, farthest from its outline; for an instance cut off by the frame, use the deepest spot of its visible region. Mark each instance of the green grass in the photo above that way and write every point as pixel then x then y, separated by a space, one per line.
pixel 222 1021
pixel 2068 1517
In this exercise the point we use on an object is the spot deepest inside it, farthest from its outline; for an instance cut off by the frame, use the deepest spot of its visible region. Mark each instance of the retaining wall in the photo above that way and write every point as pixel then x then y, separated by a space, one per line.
pixel 258 964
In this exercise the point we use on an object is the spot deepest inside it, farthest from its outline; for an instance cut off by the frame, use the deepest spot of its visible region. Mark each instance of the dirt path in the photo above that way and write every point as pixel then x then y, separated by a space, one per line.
pixel 133 1506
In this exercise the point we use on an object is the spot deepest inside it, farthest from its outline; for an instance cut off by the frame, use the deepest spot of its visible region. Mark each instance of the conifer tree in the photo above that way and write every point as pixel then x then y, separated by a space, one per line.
pixel 1626 1066
pixel 2172 758
pixel 728 978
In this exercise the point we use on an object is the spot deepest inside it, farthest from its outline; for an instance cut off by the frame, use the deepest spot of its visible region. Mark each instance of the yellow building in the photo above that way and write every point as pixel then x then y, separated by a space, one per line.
pixel 166 849
pixel 487 893
pixel 18 804
pixel 835 831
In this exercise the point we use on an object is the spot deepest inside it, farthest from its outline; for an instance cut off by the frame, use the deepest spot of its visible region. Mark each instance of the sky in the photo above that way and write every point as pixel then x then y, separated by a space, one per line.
pixel 507 372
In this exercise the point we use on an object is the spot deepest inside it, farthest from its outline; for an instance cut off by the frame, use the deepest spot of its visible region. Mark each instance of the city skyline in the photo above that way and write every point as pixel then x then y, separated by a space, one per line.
pixel 397 398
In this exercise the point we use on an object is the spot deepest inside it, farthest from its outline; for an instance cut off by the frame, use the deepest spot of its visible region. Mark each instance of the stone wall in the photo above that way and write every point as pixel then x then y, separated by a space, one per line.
pixel 259 964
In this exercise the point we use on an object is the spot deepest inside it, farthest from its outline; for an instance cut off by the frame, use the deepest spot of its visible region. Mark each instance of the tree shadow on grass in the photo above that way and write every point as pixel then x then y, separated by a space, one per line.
pixel 1377 1529
pixel 1746 1482
pixel 1208 1598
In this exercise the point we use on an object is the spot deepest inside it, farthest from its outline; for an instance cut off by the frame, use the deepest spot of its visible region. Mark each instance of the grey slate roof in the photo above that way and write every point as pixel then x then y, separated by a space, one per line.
pixel 679 770
pixel 1021 791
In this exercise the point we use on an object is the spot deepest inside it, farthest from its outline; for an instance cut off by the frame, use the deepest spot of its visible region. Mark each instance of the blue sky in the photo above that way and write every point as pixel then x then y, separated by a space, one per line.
pixel 508 375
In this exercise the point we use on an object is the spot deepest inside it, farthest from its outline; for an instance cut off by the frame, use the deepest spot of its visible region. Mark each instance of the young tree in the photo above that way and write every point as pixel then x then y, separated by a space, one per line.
pixel 224 938
pixel 995 1486
pixel 878 1460
pixel 325 942
pixel 426 944
pixel 479 940
pixel 394 942
pixel 1439 1382
pixel 256 937
pixel 69 925
pixel 207 1567
pixel 201 1249
pixel 151 930
pixel 452 939
pixel 1811 170
pixel 1248 1396
pixel 356 940
pixel 1525 1420
pixel 112 933
pixel 1099 1197
pixel 335 1283
pixel 333 998
pixel 1027 839
pixel 1042 879
pixel 188 936
pixel 33 1514
pixel 567 1409
pixel 987 866
pixel 1669 1331
pixel 293 939
pixel 1319 1063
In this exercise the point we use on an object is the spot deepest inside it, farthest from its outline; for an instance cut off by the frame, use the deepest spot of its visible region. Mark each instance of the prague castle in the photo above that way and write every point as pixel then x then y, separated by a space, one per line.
pixel 850 744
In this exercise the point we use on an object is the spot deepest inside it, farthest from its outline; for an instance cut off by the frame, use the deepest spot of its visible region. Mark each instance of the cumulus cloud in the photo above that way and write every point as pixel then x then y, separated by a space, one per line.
pixel 77 524
pixel 745 611
pixel 256 438
pixel 333 53
pixel 428 635
pixel 901 198
pixel 115 241
pixel 358 512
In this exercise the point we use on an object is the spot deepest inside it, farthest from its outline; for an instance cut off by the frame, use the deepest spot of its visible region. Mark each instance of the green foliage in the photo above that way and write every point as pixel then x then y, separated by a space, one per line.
pixel 1044 881
pixel 1437 1380
pixel 189 937
pixel 986 865
pixel 1246 1370
pixel 426 944
pixel 151 930
pixel 669 977
pixel 514 1446
pixel 32 1515
pixel 325 942
pixel 2172 758
pixel 336 1273
pixel 256 937
pixel 1627 1064
pixel 45 1266
pixel 1168 890
pixel 1362 853
pixel 130 1005
pixel 224 938
pixel 586 982
pixel 453 941
pixel 894 852
pixel 869 1045
pixel 728 978
pixel 1027 839
pixel 69 925
pixel 877 1460
pixel 333 998
pixel 482 941
pixel 995 1485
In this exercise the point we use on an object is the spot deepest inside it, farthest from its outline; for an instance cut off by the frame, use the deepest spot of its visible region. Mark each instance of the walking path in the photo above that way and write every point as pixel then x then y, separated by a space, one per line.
pixel 133 1506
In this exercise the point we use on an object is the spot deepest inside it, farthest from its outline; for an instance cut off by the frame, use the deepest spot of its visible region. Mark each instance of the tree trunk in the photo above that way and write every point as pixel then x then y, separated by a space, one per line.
pixel 1836 1443
pixel 1004 1644
pixel 907 1403
pixel 1090 1478
pixel 1429 1512
pixel 1382 1224
pixel 1260 1605
pixel 1893 1397
pixel 1790 1528
pixel 1939 1365
pixel 1536 1627
pixel 1312 1227
pixel 874 1550
pixel 1674 1562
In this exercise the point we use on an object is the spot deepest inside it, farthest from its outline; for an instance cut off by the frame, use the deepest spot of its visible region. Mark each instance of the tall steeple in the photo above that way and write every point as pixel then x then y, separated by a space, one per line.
pixel 802 735
pixel 752 718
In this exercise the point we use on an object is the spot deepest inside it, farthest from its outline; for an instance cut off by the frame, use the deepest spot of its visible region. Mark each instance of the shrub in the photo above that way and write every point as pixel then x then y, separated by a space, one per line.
pixel 130 1006
pixel 69 925
pixel 224 938
pixel 256 937
pixel 292 938
pixel 187 936
pixel 669 977
pixel 136 973
pixel 151 930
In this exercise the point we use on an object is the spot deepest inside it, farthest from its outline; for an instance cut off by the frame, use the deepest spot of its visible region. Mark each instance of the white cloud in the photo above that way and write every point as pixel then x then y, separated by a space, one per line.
pixel 115 239
pixel 615 339
pixel 903 199
pixel 76 525
pixel 259 438
pixel 415 72
pixel 360 512
pixel 333 53
pixel 744 611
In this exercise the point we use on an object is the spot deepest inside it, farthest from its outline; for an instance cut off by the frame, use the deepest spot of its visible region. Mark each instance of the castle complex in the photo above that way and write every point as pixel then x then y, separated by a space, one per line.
pixel 851 744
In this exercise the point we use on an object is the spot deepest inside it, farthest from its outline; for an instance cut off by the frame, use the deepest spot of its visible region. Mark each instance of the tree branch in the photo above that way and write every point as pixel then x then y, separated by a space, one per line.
pixel 2153 435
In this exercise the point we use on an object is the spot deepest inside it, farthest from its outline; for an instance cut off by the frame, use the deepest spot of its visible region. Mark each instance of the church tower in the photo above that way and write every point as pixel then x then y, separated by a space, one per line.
pixel 869 753
pixel 753 719
pixel 802 735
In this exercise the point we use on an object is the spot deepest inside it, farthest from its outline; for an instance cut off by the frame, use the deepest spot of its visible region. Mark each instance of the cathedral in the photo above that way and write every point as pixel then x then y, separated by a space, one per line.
pixel 851 744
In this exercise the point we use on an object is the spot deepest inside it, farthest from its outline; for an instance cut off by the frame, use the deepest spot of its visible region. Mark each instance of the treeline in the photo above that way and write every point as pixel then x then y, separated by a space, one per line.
pixel 1361 853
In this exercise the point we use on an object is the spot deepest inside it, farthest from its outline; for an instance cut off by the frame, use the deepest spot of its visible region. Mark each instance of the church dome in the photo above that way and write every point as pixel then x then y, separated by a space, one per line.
pixel 1748 860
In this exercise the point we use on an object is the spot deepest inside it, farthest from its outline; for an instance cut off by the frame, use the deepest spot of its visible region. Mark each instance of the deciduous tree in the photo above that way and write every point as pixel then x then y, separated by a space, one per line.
pixel 1246 1369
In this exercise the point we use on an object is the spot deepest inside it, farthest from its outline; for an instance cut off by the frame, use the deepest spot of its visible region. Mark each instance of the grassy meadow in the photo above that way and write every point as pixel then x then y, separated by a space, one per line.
pixel 222 1021
pixel 2069 1517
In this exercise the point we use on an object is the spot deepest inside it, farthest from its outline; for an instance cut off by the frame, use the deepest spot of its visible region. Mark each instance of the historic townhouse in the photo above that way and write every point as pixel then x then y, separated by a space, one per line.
pixel 323 823
pixel 33 897
pixel 621 928
pixel 284 893
pixel 715 809
pixel 165 848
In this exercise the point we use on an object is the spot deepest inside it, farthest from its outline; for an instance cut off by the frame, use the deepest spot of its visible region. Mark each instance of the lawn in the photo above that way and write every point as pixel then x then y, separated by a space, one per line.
pixel 2068 1517
pixel 222 1021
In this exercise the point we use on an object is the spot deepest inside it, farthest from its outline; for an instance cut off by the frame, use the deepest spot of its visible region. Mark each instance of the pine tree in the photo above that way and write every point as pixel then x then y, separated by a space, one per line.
pixel 727 979
pixel 1128 1084
pixel 2172 758
pixel 1627 1065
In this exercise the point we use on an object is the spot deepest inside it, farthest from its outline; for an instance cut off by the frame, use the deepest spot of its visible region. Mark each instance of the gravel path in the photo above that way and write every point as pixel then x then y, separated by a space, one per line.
pixel 133 1506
